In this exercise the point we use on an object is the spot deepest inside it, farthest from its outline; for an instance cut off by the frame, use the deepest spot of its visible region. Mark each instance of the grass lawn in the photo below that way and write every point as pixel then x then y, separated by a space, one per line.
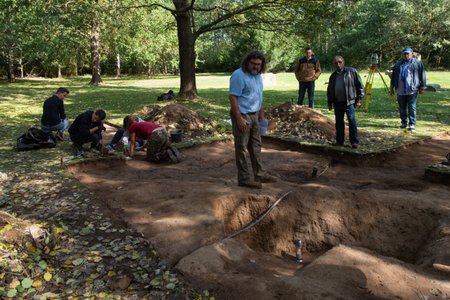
pixel 21 102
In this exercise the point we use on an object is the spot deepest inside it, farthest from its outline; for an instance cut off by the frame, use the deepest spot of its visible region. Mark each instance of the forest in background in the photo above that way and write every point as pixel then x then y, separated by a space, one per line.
pixel 59 38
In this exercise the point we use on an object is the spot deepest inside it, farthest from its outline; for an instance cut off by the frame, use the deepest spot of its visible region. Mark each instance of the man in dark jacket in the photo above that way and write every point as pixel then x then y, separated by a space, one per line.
pixel 54 116
pixel 345 91
pixel 408 78
pixel 87 128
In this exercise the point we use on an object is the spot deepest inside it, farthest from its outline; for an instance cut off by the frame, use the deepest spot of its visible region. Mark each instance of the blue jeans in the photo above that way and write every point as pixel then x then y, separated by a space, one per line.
pixel 341 109
pixel 117 137
pixel 61 127
pixel 407 108
pixel 306 85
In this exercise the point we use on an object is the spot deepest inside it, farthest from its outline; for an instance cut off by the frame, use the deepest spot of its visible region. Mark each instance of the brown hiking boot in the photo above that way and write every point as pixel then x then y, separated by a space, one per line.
pixel 266 178
pixel 251 184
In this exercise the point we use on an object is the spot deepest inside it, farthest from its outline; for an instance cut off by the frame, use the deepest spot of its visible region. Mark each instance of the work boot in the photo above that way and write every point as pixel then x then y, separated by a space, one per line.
pixel 266 178
pixel 105 151
pixel 251 184
pixel 78 149
pixel 172 157
pixel 59 136
pixel 108 149
pixel 177 153
pixel 96 146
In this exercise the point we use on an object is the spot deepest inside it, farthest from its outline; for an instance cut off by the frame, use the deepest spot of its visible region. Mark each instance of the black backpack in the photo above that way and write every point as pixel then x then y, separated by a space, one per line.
pixel 166 96
pixel 35 138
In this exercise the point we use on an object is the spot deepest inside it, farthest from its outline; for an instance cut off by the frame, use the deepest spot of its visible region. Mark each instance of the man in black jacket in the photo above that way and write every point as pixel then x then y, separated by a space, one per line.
pixel 54 116
pixel 345 91
pixel 87 128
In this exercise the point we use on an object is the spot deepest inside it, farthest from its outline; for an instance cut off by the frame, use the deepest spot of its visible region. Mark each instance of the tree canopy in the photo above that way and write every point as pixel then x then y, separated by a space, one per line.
pixel 116 37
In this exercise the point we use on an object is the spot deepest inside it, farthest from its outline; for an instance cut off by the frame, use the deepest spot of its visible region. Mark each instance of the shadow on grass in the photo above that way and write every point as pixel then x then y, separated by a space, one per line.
pixel 22 101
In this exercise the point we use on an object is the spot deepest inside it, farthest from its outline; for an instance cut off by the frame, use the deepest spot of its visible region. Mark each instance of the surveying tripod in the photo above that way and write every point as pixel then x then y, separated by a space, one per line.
pixel 369 82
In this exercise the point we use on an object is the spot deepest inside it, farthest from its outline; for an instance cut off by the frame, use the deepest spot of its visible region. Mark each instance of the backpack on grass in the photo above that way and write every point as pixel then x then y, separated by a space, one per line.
pixel 166 96
pixel 35 138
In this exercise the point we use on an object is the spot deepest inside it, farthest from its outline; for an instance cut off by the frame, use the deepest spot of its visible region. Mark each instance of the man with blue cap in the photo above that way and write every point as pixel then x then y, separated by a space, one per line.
pixel 408 78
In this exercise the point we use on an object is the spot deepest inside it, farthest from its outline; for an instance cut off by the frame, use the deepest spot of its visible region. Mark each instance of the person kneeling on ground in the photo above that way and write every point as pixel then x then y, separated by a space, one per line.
pixel 53 115
pixel 158 141
pixel 86 128
pixel 122 137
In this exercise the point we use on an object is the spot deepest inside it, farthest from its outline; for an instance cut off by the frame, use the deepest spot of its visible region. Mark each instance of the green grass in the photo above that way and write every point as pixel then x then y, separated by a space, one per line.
pixel 21 102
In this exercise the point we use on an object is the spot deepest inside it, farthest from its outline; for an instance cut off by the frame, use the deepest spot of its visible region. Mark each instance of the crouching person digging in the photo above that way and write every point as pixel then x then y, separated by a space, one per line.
pixel 158 141
pixel 87 128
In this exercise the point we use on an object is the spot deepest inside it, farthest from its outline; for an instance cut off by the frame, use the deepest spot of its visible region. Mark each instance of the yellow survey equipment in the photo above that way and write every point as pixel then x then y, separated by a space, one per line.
pixel 369 82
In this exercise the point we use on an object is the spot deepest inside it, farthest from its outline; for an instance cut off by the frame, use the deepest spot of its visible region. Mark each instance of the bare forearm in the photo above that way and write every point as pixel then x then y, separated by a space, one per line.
pixel 241 122
pixel 235 107
pixel 92 130
pixel 132 144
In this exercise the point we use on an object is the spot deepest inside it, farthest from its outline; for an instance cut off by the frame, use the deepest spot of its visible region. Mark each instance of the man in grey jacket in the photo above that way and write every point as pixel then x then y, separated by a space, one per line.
pixel 345 91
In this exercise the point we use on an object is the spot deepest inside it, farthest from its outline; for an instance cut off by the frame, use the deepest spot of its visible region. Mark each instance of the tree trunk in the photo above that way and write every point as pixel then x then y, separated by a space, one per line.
pixel 118 66
pixel 95 55
pixel 186 48
pixel 59 71
pixel 21 67
pixel 164 67
pixel 11 76
pixel 149 70
pixel 75 68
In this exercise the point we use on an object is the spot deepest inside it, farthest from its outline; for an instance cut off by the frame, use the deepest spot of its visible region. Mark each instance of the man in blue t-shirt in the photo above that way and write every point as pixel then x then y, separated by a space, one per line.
pixel 246 89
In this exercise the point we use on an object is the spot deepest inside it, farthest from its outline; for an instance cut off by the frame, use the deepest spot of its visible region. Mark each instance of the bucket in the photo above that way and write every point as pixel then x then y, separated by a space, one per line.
pixel 263 125
pixel 176 135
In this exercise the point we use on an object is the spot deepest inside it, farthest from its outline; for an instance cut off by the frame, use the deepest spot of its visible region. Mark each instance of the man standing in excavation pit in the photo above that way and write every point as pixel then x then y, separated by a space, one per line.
pixel 246 88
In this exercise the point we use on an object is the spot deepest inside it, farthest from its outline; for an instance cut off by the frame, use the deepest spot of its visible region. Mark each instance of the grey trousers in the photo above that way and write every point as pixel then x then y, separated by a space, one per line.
pixel 250 142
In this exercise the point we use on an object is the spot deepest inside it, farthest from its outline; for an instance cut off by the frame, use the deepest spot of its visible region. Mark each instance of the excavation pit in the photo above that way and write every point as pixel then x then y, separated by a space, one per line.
pixel 324 217
pixel 366 226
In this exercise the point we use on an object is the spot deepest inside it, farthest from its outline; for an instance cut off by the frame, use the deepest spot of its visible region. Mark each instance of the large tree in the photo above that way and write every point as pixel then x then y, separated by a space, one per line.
pixel 14 17
pixel 194 18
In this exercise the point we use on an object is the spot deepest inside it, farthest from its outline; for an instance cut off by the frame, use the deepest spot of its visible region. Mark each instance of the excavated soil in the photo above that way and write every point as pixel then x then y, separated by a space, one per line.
pixel 373 228
pixel 179 116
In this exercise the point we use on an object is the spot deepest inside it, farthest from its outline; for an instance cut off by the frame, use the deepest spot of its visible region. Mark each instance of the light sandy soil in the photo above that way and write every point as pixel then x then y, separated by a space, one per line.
pixel 373 227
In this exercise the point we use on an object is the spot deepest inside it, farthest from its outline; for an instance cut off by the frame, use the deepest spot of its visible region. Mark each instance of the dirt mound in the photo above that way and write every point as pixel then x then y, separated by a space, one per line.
pixel 302 122
pixel 178 116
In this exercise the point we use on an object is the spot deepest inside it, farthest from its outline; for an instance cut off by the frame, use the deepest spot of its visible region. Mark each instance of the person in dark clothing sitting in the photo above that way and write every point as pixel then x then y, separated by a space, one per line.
pixel 54 116
pixel 86 128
